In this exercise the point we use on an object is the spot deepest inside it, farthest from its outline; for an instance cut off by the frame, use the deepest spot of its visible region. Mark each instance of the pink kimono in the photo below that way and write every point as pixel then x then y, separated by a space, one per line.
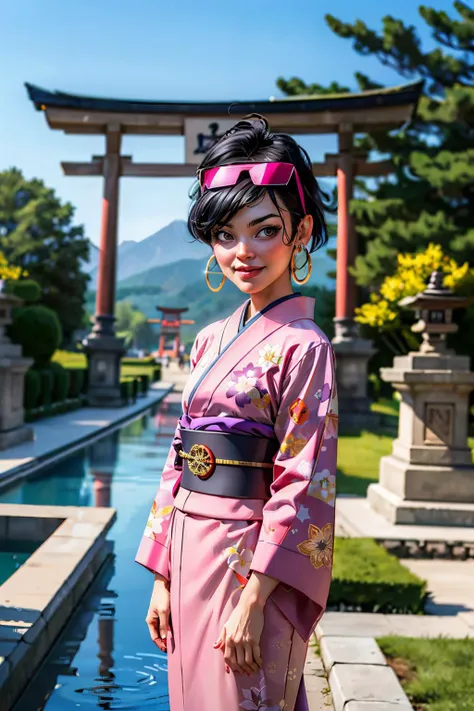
pixel 275 376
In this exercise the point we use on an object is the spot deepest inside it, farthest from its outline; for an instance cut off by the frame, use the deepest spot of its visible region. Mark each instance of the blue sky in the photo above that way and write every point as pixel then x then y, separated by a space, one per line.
pixel 165 49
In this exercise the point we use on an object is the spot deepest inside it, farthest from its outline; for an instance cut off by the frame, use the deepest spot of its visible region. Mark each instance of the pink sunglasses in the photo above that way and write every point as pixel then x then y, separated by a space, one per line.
pixel 262 174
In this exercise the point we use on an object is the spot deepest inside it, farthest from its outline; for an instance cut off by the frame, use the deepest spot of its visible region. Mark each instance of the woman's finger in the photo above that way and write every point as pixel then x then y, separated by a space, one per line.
pixel 248 657
pixel 163 624
pixel 257 655
pixel 220 642
pixel 153 628
pixel 230 657
pixel 240 654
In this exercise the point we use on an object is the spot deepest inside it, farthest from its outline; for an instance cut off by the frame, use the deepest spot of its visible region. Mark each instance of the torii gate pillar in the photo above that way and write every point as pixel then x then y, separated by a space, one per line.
pixel 352 352
pixel 104 350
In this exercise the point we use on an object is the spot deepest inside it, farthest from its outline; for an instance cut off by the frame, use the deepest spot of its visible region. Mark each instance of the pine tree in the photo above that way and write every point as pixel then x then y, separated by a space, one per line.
pixel 37 234
pixel 430 196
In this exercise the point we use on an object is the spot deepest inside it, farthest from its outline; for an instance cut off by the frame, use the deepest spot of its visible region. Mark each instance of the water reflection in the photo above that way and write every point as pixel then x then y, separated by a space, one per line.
pixel 65 485
pixel 103 456
pixel 104 659
pixel 103 680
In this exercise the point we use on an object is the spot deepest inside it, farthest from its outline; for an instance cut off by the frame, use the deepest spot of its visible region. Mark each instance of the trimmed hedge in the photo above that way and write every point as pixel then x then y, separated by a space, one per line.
pixel 367 578
pixel 46 387
pixel 56 408
pixel 26 289
pixel 32 389
pixel 144 381
pixel 128 390
pixel 61 382
pixel 38 330
pixel 53 389
pixel 77 382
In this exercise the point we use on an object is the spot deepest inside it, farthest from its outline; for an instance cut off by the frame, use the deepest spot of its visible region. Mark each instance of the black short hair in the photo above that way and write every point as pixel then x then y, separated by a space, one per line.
pixel 250 141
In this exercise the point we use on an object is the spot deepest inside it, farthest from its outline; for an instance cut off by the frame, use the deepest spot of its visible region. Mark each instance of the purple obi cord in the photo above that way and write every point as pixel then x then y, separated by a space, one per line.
pixel 235 425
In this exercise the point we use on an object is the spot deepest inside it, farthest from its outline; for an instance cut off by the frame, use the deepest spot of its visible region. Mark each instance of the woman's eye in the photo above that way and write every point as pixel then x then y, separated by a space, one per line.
pixel 222 236
pixel 269 231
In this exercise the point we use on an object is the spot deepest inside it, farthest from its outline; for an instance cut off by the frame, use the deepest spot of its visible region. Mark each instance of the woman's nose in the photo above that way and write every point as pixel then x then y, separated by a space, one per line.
pixel 244 250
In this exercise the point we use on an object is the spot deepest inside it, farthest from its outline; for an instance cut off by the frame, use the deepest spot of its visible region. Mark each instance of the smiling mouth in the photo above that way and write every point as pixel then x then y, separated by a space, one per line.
pixel 248 269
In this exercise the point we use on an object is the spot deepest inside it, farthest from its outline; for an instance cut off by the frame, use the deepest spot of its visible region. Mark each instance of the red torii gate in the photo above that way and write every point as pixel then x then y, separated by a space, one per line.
pixel 171 323
pixel 343 114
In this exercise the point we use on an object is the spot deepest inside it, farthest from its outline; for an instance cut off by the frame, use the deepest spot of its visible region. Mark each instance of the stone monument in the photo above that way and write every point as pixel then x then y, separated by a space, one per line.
pixel 429 477
pixel 12 377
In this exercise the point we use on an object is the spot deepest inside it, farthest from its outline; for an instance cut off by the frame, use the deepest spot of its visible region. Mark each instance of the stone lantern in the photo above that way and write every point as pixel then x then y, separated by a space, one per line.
pixel 434 308
pixel 12 376
pixel 429 476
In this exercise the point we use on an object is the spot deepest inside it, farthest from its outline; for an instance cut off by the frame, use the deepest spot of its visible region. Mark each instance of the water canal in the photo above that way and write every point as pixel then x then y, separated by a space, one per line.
pixel 104 658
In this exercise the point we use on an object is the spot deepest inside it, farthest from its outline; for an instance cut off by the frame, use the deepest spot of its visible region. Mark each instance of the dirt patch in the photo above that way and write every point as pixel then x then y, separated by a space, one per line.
pixel 402 668
pixel 405 673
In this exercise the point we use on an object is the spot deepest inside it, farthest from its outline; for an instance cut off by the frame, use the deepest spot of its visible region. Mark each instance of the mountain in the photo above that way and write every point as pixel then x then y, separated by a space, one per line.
pixel 93 262
pixel 182 284
pixel 165 246
pixel 171 278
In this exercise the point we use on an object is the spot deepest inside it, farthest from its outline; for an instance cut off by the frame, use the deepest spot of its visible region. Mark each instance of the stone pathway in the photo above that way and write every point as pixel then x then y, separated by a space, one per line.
pixel 360 677
pixel 450 582
pixel 371 624
pixel 356 518
pixel 316 682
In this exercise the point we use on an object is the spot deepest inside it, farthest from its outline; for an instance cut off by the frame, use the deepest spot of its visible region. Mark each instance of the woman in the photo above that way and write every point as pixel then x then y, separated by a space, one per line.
pixel 240 534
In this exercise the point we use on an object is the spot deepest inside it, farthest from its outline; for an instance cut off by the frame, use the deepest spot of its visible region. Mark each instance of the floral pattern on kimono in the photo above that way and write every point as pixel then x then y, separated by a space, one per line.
pixel 246 387
pixel 239 560
pixel 270 356
pixel 323 486
pixel 255 699
pixel 156 520
pixel 296 540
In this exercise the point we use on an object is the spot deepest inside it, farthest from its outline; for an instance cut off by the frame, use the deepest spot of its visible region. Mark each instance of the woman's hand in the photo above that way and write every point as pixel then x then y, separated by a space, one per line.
pixel 158 615
pixel 240 638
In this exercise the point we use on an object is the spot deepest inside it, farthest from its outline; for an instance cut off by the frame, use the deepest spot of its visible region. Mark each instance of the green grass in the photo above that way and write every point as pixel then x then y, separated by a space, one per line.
pixel 78 360
pixel 367 578
pixel 436 674
pixel 384 406
pixel 358 460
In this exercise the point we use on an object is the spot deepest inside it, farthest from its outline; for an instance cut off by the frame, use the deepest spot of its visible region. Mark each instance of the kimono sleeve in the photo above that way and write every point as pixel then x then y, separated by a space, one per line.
pixel 153 552
pixel 296 540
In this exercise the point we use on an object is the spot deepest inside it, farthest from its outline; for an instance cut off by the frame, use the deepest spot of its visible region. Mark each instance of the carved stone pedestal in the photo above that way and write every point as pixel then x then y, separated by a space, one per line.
pixel 104 352
pixel 352 356
pixel 12 377
pixel 429 477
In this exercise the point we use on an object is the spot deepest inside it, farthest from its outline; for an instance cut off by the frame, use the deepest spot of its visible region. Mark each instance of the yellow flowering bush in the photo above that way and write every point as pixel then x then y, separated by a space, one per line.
pixel 413 271
pixel 7 272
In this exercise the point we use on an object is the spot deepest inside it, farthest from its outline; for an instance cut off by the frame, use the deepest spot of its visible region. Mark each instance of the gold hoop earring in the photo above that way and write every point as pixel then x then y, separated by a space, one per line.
pixel 294 267
pixel 208 271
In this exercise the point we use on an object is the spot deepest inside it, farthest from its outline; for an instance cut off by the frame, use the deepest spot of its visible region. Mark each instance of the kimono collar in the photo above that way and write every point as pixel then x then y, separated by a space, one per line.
pixel 264 310
pixel 234 344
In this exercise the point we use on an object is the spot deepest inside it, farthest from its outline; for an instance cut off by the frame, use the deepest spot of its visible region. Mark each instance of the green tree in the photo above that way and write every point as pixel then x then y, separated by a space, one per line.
pixel 37 234
pixel 133 325
pixel 430 196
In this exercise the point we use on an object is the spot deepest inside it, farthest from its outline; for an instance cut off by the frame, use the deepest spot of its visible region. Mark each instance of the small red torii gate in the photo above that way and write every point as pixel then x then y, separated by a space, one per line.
pixel 170 331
